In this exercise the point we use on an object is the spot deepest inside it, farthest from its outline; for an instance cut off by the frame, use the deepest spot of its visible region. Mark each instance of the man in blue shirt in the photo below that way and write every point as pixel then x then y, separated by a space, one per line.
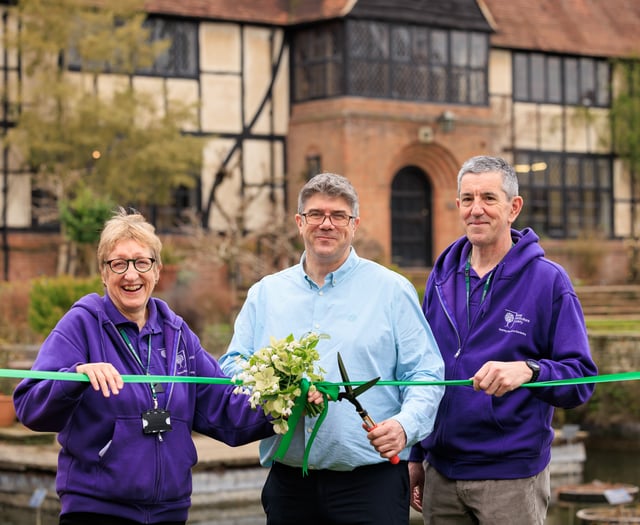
pixel 373 318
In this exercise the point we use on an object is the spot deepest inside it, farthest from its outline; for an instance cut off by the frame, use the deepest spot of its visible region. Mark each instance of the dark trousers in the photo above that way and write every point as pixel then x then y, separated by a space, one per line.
pixel 90 518
pixel 371 495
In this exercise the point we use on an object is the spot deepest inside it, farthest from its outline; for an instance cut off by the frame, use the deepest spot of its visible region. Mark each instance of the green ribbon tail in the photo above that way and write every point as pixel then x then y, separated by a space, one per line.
pixel 296 412
pixel 329 392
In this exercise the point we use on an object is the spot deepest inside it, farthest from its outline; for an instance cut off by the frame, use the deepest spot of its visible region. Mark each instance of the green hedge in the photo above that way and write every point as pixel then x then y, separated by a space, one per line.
pixel 51 297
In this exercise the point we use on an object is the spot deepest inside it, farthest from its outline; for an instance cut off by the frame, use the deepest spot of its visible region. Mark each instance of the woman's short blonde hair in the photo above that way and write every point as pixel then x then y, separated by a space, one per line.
pixel 125 225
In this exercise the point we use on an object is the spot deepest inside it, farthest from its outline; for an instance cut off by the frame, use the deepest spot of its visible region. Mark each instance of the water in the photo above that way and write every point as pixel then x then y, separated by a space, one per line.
pixel 607 462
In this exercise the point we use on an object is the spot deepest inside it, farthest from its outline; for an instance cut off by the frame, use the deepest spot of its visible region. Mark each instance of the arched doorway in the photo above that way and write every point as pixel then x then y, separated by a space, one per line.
pixel 411 240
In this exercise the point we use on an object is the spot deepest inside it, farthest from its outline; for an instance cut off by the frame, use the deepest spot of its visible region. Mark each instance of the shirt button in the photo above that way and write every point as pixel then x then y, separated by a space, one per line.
pixel 317 326
pixel 309 430
pixel 320 293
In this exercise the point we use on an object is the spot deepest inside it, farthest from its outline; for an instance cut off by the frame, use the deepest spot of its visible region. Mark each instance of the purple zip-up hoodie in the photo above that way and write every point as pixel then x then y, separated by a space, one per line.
pixel 530 311
pixel 107 464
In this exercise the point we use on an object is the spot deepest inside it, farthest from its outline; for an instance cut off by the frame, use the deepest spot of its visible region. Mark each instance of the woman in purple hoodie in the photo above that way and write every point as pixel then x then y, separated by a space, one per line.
pixel 127 450
pixel 503 315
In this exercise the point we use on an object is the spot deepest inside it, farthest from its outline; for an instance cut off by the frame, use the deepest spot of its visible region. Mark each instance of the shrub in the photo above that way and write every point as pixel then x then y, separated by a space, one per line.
pixel 51 297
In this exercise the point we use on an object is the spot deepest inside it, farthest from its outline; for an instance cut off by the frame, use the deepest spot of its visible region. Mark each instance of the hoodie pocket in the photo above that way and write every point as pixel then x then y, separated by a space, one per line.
pixel 141 468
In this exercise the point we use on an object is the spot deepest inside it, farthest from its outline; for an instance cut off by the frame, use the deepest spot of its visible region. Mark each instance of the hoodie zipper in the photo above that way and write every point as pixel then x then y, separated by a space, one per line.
pixel 451 321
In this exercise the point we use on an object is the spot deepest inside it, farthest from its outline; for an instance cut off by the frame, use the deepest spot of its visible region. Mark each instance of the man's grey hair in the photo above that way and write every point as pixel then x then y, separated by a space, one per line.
pixel 485 164
pixel 332 185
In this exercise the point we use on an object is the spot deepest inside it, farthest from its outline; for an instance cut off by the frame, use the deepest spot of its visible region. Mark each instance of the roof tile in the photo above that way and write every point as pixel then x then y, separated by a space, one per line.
pixel 584 27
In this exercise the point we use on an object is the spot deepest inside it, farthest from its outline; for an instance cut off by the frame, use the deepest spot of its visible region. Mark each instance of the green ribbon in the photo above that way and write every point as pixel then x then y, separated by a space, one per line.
pixel 330 392
pixel 75 376
pixel 322 386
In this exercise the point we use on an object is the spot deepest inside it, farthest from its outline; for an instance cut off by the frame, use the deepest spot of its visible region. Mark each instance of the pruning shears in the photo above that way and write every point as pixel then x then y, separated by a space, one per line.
pixel 350 394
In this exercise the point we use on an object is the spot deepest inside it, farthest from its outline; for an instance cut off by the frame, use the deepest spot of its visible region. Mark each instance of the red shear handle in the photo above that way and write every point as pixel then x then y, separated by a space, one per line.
pixel 370 425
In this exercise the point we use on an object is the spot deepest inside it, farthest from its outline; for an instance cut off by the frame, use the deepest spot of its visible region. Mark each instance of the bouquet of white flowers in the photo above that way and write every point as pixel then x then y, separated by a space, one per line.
pixel 271 376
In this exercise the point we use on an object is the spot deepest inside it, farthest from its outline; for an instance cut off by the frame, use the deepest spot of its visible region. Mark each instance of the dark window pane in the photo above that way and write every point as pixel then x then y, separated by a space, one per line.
pixel 421 83
pixel 379 40
pixel 588 175
pixel 358 39
pixel 556 216
pixel 421 44
pixel 587 82
pixel 590 210
pixel 520 77
pixel 602 84
pixel 477 87
pixel 554 80
pixel 555 168
pixel 438 84
pixel 573 211
pixel 458 85
pixel 402 82
pixel 459 48
pixel 400 44
pixel 571 172
pixel 478 50
pixel 537 78
pixel 571 80
pixel 181 59
pixel 439 47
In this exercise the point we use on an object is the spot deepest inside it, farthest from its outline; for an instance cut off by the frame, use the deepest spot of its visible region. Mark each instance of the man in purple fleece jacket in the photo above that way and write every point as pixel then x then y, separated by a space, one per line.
pixel 127 450
pixel 503 315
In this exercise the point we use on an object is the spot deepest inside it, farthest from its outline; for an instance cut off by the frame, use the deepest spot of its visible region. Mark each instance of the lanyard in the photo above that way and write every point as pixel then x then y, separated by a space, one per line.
pixel 467 282
pixel 152 386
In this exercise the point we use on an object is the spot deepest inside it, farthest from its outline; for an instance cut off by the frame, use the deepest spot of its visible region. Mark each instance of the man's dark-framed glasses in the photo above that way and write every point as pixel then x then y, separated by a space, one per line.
pixel 336 218
pixel 141 265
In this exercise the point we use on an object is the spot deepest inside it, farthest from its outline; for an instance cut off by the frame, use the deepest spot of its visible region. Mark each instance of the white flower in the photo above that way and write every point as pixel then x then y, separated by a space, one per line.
pixel 271 376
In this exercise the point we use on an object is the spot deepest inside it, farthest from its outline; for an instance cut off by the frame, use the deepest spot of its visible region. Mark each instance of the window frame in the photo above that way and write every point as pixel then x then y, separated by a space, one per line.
pixel 565 194
pixel 379 59
pixel 166 65
pixel 533 80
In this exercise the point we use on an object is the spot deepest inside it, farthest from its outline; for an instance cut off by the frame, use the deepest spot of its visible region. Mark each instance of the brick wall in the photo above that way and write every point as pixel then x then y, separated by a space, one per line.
pixel 370 140
pixel 29 255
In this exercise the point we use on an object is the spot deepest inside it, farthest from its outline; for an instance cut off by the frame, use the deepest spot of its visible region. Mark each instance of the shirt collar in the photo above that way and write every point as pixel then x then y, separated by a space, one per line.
pixel 337 276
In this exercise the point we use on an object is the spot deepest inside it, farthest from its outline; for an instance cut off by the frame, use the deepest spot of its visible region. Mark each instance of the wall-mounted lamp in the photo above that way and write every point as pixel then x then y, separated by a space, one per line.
pixel 447 121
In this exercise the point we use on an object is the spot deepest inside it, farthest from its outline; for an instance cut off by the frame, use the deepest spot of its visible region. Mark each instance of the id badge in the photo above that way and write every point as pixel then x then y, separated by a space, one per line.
pixel 156 420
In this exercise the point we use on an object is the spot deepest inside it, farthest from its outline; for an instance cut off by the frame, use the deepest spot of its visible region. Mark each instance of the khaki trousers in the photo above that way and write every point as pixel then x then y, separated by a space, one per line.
pixel 485 502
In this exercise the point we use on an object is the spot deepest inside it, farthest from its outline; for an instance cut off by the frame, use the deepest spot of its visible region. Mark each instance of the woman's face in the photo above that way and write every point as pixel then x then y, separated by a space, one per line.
pixel 130 291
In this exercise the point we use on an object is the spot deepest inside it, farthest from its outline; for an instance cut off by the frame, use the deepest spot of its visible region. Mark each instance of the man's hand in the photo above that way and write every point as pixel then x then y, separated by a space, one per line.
pixel 496 378
pixel 416 484
pixel 388 438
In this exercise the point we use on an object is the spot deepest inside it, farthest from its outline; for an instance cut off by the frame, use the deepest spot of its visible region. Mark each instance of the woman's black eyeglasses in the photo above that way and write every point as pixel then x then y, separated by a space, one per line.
pixel 141 265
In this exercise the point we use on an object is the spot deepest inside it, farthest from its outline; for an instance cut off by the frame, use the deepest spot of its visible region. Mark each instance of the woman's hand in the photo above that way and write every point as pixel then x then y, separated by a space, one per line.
pixel 102 376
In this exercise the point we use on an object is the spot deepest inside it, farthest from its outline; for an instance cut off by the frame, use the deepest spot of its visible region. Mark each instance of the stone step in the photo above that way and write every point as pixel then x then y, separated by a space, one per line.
pixel 620 301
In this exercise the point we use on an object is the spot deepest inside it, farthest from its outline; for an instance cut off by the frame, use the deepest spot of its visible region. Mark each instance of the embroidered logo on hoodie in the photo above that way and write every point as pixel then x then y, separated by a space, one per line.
pixel 181 362
pixel 514 323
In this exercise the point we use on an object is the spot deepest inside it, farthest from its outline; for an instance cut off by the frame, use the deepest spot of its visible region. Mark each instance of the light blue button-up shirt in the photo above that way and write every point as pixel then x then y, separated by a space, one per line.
pixel 373 318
